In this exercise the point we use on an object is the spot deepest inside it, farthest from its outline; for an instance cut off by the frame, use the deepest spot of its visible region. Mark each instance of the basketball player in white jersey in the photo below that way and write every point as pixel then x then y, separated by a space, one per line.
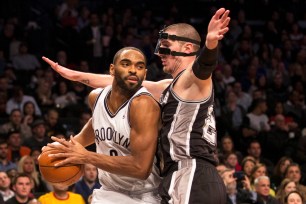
pixel 124 126
pixel 188 138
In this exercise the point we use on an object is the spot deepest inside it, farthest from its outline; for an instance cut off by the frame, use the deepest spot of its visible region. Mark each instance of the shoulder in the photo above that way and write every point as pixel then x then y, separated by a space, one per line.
pixel 93 95
pixel 144 100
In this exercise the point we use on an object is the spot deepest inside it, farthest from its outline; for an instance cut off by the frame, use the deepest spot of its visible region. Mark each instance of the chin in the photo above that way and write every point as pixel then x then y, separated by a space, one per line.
pixel 166 70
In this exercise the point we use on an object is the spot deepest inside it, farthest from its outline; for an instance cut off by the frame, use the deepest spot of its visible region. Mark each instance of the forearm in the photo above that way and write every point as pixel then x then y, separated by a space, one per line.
pixel 86 136
pixel 95 80
pixel 122 165
pixel 205 63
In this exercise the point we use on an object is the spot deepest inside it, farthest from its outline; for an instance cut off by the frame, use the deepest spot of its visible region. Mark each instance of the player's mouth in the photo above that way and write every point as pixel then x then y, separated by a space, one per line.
pixel 132 79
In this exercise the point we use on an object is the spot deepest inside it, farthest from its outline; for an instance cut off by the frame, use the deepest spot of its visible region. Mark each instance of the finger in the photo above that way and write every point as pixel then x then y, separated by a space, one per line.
pixel 225 15
pixel 50 62
pixel 226 22
pixel 223 31
pixel 59 140
pixel 73 141
pixel 219 13
pixel 62 163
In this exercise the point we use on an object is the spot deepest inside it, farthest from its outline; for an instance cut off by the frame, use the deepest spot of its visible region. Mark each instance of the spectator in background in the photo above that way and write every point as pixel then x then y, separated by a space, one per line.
pixel 295 106
pixel 15 123
pixel 15 148
pixel 244 99
pixel 293 172
pixel 247 166
pixel 88 183
pixel 254 150
pixel 19 99
pixel 235 194
pixel 25 61
pixel 231 161
pixel 24 64
pixel 227 147
pixel 258 120
pixel 29 114
pixel 52 123
pixel 91 40
pixel 59 194
pixel 62 96
pixel 262 189
pixel 232 115
pixel 277 91
pixel 22 187
pixel 281 140
pixel 279 170
pixel 5 164
pixel 261 170
pixel 285 187
pixel 39 138
pixel 26 166
pixel 5 184
pixel 35 154
pixel 43 94
pixel 294 197
pixel 227 72
pixel 278 108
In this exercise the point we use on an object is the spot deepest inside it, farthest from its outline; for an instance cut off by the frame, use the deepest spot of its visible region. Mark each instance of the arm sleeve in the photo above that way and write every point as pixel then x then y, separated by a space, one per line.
pixel 205 63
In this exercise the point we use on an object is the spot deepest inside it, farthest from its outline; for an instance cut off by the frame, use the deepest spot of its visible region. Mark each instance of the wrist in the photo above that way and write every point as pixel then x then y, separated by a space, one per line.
pixel 211 44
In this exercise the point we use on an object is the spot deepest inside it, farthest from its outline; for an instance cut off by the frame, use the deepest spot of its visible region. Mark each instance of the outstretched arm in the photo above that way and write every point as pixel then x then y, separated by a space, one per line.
pixel 102 80
pixel 89 79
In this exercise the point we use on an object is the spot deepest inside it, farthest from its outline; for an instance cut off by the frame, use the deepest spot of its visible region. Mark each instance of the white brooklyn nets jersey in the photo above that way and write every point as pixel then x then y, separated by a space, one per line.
pixel 112 137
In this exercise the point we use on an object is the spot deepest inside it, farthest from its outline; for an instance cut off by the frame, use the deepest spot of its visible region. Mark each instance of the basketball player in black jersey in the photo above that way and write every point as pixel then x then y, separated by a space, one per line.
pixel 188 134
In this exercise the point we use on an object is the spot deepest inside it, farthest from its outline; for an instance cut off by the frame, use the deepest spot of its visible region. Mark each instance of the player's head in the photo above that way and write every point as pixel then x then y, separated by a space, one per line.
pixel 175 43
pixel 129 69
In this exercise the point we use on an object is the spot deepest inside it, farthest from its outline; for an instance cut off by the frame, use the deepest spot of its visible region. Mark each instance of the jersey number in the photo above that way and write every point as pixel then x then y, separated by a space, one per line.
pixel 113 152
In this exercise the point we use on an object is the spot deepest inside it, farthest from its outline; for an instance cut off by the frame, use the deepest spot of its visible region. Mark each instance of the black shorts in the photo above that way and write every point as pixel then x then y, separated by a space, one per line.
pixel 193 181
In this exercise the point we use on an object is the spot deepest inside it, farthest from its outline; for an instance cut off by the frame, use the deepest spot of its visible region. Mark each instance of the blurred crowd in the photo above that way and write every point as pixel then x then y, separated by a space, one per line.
pixel 259 86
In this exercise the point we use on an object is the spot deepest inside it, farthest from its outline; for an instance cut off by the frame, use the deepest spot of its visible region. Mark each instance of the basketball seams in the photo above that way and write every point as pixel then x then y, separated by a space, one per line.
pixel 68 179
pixel 67 174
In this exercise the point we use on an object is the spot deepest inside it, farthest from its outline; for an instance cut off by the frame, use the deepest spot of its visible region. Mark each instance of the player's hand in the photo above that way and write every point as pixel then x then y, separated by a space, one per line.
pixel 47 148
pixel 63 71
pixel 217 27
pixel 72 150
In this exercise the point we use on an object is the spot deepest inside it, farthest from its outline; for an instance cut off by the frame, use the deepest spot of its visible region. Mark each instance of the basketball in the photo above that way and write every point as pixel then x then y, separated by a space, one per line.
pixel 67 175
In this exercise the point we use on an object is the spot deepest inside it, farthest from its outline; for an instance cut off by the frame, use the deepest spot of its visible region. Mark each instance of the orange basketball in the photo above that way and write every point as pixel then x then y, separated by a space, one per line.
pixel 64 174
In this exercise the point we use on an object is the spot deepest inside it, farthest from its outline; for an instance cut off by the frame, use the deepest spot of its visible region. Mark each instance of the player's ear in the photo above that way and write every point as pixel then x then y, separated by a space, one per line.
pixel 188 47
pixel 112 69
pixel 145 75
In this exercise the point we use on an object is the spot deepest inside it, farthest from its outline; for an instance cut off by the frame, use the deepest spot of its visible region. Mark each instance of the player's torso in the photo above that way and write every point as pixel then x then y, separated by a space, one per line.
pixel 112 137
pixel 188 128
pixel 112 130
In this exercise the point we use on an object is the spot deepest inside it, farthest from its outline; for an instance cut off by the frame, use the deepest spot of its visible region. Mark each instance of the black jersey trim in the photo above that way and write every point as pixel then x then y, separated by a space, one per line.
pixel 96 101
pixel 107 108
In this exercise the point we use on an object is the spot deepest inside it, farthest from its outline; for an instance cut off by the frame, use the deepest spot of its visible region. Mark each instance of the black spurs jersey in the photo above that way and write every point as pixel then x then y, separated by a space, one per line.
pixel 188 130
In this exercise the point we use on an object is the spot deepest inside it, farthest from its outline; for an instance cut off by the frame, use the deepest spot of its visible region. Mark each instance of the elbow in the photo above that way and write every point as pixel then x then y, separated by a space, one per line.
pixel 143 173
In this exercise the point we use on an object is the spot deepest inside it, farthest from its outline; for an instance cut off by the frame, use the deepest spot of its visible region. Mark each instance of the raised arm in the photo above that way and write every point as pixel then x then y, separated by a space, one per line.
pixel 144 119
pixel 102 80
pixel 201 70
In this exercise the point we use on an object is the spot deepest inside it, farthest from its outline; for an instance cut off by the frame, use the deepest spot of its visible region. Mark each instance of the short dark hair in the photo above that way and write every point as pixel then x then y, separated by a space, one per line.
pixel 128 48
pixel 19 175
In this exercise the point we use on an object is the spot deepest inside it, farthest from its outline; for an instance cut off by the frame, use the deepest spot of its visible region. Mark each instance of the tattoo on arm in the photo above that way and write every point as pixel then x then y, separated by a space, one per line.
pixel 85 81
